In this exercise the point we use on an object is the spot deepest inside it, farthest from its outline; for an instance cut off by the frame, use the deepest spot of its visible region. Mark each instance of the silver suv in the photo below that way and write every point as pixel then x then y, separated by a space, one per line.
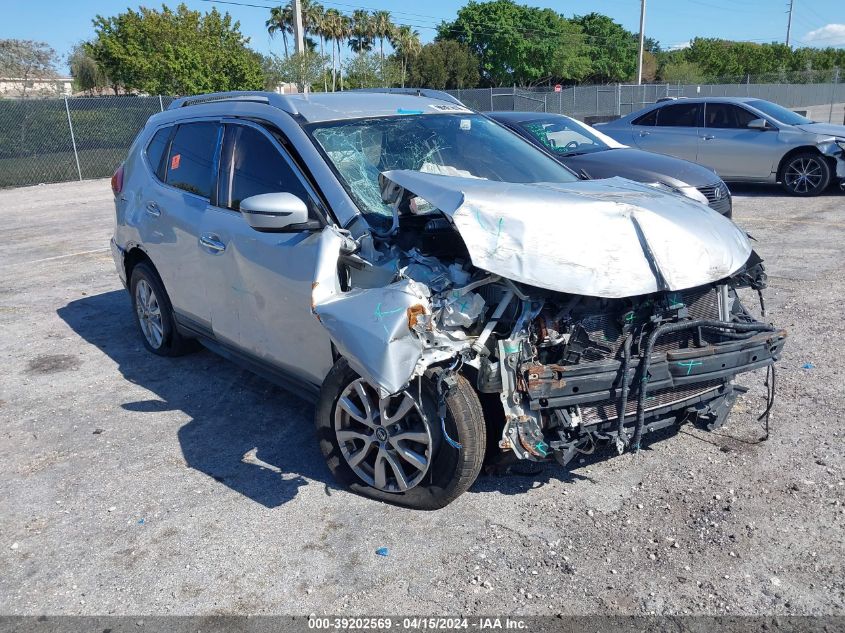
pixel 443 290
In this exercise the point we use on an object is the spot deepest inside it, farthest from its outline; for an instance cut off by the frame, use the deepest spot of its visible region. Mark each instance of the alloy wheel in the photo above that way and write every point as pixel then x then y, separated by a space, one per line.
pixel 385 441
pixel 149 313
pixel 804 175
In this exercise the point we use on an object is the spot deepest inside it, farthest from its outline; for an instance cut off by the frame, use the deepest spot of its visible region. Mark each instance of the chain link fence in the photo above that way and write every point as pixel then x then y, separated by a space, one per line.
pixel 614 100
pixel 55 140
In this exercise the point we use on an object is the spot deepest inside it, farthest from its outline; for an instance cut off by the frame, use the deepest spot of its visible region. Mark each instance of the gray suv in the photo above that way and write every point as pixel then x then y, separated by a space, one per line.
pixel 442 290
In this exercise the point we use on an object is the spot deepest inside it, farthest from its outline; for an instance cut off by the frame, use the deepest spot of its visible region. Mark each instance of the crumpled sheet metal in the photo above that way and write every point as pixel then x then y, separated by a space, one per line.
pixel 369 326
pixel 608 238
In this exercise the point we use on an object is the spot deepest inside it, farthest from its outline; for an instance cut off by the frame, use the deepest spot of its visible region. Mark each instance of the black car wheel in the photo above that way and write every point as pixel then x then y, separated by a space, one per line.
pixel 397 449
pixel 805 174
pixel 154 314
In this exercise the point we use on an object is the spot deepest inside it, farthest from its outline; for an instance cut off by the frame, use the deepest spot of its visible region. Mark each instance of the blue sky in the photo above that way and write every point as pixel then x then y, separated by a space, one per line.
pixel 672 22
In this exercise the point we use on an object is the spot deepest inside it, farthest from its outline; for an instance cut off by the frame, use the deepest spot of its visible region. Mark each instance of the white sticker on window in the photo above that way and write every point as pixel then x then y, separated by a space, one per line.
pixel 466 124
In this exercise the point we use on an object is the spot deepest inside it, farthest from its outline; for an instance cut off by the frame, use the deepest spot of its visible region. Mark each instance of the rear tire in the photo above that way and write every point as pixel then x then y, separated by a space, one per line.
pixel 806 174
pixel 358 452
pixel 154 314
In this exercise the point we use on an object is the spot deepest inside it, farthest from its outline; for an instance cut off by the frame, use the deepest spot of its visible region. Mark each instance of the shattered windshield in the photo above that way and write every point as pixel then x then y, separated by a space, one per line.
pixel 466 145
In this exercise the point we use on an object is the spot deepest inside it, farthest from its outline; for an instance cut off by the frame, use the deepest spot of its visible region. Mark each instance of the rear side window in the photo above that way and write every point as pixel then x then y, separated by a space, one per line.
pixel 649 118
pixel 252 165
pixel 157 149
pixel 189 165
pixel 679 115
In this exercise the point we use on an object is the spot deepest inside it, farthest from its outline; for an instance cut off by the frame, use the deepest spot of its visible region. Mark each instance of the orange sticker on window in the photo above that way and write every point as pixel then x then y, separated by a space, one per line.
pixel 174 161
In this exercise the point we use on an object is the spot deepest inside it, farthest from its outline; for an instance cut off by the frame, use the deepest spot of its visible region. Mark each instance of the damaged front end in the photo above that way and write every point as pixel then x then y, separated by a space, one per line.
pixel 595 311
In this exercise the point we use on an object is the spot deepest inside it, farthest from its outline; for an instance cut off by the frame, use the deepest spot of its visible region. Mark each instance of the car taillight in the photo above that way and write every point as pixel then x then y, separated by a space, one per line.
pixel 117 180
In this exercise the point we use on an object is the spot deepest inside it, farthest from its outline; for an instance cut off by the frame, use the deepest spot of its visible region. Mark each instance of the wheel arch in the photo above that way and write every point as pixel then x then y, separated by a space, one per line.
pixel 802 149
pixel 134 256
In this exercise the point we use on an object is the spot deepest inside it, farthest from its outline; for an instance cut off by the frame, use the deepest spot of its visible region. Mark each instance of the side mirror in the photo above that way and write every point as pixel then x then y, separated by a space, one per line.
pixel 274 211
pixel 758 124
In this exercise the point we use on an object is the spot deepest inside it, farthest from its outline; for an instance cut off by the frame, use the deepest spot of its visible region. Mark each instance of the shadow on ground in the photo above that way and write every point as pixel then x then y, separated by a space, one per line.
pixel 244 432
pixel 759 190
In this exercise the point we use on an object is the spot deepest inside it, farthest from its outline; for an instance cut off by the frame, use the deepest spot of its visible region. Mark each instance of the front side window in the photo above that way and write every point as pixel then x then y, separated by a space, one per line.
pixel 779 113
pixel 727 116
pixel 189 164
pixel 466 145
pixel 563 137
pixel 252 165
pixel 679 115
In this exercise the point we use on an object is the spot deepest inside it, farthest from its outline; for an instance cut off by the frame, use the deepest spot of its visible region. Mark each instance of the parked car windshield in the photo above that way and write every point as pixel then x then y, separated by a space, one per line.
pixel 563 136
pixel 779 113
pixel 466 145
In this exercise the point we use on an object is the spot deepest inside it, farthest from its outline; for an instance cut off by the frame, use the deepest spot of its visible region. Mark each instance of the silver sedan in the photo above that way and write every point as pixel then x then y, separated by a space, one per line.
pixel 743 139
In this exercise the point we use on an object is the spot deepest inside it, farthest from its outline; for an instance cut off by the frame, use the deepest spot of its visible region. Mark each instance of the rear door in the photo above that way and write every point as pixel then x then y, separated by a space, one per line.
pixel 672 129
pixel 173 206
pixel 733 149
pixel 259 284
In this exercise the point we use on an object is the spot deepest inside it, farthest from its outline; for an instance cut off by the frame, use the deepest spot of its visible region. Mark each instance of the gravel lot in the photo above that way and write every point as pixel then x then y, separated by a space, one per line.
pixel 124 487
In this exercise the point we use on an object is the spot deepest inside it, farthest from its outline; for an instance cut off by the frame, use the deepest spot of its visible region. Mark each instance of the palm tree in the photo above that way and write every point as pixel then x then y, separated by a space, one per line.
pixel 406 41
pixel 313 17
pixel 345 34
pixel 362 31
pixel 280 22
pixel 333 31
pixel 383 28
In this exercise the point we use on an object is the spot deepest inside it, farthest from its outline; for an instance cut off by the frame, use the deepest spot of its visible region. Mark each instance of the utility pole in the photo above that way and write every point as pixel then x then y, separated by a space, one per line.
pixel 789 22
pixel 642 42
pixel 299 38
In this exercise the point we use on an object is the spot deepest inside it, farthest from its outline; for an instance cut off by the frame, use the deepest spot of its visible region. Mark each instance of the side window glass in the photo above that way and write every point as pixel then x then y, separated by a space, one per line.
pixel 156 149
pixel 254 166
pixel 191 157
pixel 679 115
pixel 647 119
pixel 727 116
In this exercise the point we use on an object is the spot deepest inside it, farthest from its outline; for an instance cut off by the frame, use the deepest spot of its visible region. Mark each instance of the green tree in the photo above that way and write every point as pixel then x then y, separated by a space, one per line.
pixel 612 49
pixel 303 68
pixel 383 29
pixel 406 43
pixel 519 44
pixel 175 52
pixel 86 72
pixel 362 31
pixel 280 22
pixel 362 70
pixel 443 65
pixel 681 72
pixel 26 60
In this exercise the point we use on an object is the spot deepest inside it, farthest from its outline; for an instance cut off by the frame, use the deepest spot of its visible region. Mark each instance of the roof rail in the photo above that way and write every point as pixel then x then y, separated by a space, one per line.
pixel 418 92
pixel 254 96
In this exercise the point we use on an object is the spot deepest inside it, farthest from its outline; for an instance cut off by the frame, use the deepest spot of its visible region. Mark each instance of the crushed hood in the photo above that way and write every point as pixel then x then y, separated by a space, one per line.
pixel 608 238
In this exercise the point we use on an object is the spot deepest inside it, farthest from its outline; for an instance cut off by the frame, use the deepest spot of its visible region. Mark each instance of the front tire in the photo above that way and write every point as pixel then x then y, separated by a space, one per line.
pixel 394 449
pixel 154 314
pixel 806 174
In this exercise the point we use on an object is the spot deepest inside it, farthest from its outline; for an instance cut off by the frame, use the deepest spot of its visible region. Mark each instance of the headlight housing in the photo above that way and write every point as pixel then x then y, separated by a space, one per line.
pixel 687 191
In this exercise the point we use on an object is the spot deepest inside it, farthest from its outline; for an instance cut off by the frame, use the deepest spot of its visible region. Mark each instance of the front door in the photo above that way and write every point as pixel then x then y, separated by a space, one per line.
pixel 259 284
pixel 733 149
